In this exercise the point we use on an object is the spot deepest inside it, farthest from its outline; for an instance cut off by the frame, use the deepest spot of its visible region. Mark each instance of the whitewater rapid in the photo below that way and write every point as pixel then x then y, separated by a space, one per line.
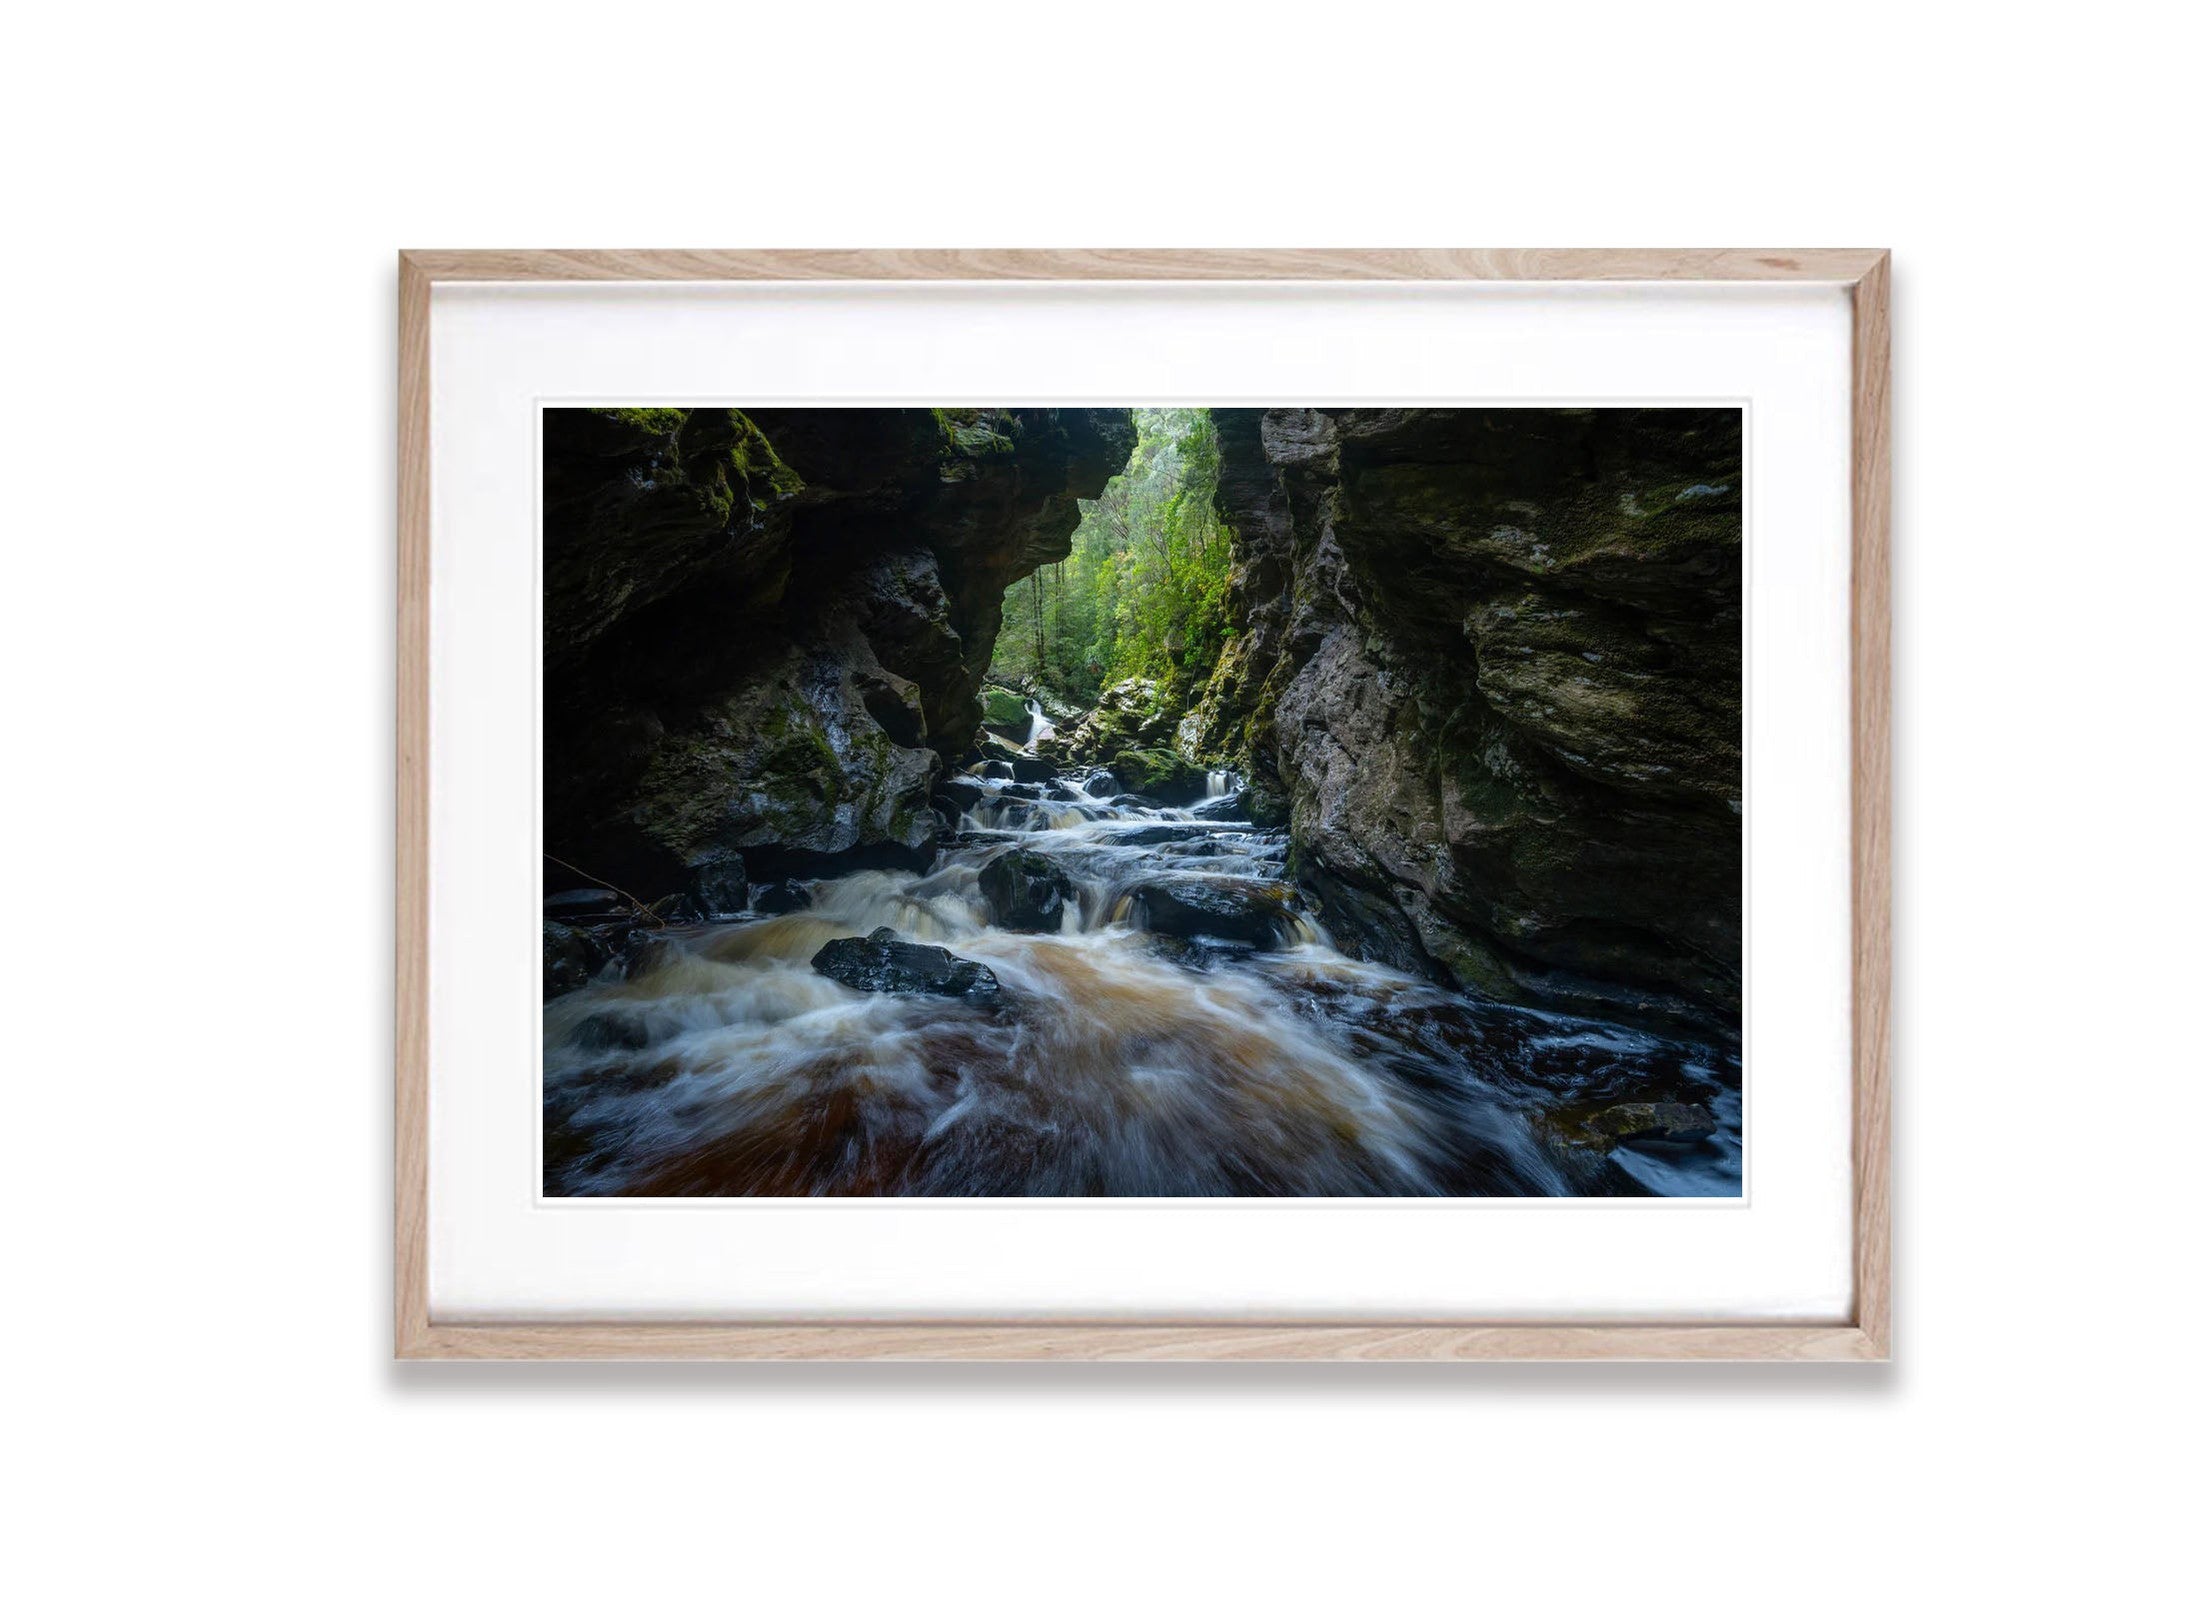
pixel 1125 1061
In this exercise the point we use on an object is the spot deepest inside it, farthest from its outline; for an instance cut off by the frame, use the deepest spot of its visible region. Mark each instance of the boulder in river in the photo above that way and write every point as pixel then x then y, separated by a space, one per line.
pixel 1006 715
pixel 958 794
pixel 1190 906
pixel 721 887
pixel 883 964
pixel 1159 833
pixel 570 959
pixel 1101 783
pixel 1159 774
pixel 1025 891
pixel 776 899
pixel 1028 769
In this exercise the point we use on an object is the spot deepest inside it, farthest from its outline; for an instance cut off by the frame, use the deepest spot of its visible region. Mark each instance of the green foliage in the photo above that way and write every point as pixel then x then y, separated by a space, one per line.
pixel 1141 594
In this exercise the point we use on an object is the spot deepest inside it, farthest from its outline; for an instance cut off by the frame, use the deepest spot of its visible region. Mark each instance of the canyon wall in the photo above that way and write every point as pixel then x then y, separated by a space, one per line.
pixel 1488 662
pixel 764 630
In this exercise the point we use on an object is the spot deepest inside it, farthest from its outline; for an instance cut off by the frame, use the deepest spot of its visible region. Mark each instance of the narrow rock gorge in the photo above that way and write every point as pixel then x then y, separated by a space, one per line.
pixel 1165 802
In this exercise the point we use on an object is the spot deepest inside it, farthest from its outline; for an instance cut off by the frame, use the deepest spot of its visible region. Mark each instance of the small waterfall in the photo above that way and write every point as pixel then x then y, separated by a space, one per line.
pixel 1040 726
pixel 1220 784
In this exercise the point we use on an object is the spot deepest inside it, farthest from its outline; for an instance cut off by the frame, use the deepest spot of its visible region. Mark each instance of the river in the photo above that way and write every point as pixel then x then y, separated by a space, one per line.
pixel 1189 1030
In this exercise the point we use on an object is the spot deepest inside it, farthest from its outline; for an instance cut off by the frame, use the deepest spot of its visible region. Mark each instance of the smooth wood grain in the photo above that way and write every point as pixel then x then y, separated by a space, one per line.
pixel 413 861
pixel 1865 1337
pixel 1870 758
pixel 1040 1340
pixel 1178 266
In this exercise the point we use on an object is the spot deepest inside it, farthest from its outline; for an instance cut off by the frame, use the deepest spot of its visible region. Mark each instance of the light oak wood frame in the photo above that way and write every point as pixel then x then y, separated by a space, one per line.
pixel 1864 1335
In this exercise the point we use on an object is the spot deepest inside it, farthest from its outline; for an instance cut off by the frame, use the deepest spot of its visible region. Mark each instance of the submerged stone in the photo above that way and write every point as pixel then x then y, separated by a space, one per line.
pixel 1603 1126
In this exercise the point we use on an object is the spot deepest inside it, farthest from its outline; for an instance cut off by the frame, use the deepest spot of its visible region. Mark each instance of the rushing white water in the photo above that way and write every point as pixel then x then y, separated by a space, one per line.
pixel 1189 1029
pixel 1220 784
pixel 1040 726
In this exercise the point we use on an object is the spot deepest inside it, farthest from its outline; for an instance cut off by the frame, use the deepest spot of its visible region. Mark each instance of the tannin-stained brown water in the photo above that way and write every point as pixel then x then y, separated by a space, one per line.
pixel 1123 1060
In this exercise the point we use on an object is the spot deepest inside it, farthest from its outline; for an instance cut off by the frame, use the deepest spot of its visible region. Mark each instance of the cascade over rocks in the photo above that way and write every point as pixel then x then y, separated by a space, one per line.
pixel 764 631
pixel 1489 662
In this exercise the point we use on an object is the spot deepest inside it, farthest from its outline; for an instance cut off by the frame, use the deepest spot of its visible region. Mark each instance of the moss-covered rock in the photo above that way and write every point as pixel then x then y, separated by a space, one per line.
pixel 1006 714
pixel 1134 711
pixel 1158 774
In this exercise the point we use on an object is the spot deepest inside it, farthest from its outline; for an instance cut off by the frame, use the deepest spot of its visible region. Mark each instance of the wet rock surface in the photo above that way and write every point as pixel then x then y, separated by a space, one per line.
pixel 883 964
pixel 1025 891
pixel 570 959
pixel 1251 913
pixel 1489 662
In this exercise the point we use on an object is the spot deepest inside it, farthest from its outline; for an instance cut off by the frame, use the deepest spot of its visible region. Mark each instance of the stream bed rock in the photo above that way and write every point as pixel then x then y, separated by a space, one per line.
pixel 884 964
pixel 1026 892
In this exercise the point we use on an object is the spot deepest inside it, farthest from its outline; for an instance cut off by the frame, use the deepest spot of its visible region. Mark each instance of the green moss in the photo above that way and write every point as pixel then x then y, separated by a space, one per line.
pixel 660 421
pixel 972 433
pixel 758 463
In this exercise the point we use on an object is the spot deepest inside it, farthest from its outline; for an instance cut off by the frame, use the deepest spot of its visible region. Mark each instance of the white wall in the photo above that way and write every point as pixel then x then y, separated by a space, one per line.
pixel 198 400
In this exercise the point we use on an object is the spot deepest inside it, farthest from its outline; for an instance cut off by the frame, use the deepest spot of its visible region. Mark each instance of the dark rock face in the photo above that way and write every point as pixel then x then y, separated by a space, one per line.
pixel 1025 891
pixel 1490 660
pixel 570 959
pixel 764 630
pixel 883 964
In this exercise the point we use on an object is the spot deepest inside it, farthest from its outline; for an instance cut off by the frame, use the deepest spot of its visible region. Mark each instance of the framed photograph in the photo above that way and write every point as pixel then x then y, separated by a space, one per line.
pixel 1128 804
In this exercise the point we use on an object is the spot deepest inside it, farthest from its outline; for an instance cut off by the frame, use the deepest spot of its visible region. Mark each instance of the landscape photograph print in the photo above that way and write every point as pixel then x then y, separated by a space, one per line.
pixel 1156 803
